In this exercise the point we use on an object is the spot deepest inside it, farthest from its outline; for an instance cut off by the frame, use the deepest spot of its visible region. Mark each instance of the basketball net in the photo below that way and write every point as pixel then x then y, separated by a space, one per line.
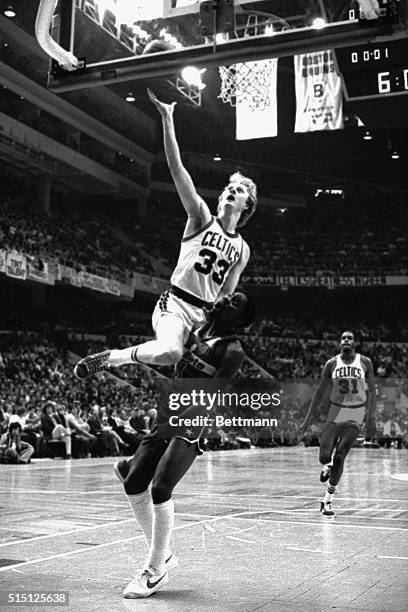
pixel 248 82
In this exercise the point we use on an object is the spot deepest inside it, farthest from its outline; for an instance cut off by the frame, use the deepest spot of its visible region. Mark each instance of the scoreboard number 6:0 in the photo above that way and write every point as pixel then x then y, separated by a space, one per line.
pixel 384 83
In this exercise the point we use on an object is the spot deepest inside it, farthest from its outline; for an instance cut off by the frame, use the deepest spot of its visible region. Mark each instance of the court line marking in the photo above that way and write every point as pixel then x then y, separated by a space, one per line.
pixel 332 522
pixel 241 539
pixel 62 533
pixel 324 552
pixel 87 528
pixel 104 544
pixel 264 496
pixel 387 557
pixel 208 518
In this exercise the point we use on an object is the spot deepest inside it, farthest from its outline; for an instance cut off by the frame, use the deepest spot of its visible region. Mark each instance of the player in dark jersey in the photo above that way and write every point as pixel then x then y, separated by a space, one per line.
pixel 350 378
pixel 165 455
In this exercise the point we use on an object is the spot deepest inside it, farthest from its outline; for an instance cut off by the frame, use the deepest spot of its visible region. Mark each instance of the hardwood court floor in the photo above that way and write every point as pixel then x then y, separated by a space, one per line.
pixel 248 534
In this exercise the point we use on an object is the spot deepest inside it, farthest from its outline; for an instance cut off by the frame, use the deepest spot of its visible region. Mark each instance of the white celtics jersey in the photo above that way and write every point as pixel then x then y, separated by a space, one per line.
pixel 349 391
pixel 206 259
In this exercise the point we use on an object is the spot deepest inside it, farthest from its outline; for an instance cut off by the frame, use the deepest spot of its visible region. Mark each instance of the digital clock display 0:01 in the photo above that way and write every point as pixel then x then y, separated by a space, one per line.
pixel 365 56
pixel 376 83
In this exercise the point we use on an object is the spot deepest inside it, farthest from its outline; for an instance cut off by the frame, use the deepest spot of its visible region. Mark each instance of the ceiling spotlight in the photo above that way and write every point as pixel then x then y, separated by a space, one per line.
pixel 9 11
pixel 367 135
pixel 394 155
pixel 282 210
pixel 192 76
pixel 318 23
pixel 130 97
pixel 217 157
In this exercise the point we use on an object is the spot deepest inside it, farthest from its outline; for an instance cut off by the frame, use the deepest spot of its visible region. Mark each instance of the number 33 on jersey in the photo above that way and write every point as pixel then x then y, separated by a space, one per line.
pixel 206 259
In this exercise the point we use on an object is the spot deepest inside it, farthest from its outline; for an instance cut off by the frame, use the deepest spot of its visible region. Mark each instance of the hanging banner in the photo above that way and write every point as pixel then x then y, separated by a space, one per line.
pixel 92 281
pixel 16 265
pixel 319 100
pixel 39 272
pixel 112 286
pixel 256 107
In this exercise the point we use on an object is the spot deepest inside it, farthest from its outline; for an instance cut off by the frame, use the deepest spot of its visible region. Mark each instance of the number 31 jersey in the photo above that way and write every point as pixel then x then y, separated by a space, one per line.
pixel 349 392
pixel 206 259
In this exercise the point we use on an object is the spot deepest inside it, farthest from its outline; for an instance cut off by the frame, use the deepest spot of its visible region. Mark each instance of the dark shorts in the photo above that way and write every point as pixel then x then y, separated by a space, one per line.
pixel 166 432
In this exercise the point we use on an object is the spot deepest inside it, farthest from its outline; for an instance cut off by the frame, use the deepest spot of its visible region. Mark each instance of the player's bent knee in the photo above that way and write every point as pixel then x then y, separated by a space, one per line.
pixel 171 355
pixel 161 491
pixel 324 457
pixel 134 486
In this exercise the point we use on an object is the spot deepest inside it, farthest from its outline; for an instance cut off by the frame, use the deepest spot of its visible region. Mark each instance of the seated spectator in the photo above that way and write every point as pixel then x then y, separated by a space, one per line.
pixel 81 437
pixel 12 448
pixel 121 425
pixel 109 439
pixel 32 430
pixel 392 432
pixel 139 421
pixel 53 430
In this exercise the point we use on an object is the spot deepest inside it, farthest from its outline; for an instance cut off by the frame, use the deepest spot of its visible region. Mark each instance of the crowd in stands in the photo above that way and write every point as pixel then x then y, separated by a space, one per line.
pixel 44 406
pixel 84 242
pixel 111 241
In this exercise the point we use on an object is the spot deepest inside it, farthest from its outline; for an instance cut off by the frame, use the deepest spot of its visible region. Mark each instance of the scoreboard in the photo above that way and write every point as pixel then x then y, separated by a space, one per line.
pixel 374 71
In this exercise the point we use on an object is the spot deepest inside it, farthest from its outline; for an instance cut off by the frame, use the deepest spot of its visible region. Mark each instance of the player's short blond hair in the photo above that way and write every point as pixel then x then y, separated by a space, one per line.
pixel 252 200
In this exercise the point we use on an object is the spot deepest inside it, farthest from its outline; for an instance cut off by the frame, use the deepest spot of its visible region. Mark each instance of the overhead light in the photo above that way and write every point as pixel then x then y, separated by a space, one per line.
pixel 394 155
pixel 9 11
pixel 217 157
pixel 367 135
pixel 192 76
pixel 282 210
pixel 130 97
pixel 318 23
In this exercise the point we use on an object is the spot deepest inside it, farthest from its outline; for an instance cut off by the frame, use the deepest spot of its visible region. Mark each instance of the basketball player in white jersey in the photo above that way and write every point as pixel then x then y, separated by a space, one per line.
pixel 212 257
pixel 350 378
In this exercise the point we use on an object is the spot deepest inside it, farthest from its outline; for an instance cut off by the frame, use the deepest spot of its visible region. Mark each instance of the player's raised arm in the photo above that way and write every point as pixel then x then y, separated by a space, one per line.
pixel 195 207
pixel 324 385
pixel 371 397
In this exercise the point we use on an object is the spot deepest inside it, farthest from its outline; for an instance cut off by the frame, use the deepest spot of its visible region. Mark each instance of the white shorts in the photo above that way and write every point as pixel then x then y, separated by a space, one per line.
pixel 170 304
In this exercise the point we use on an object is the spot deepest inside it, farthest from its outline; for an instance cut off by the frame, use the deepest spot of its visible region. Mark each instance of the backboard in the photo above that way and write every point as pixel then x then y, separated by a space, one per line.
pixel 117 40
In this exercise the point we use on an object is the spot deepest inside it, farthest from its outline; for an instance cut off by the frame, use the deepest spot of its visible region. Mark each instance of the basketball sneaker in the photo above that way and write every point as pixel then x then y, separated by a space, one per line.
pixel 171 562
pixel 326 473
pixel 91 364
pixel 326 509
pixel 145 584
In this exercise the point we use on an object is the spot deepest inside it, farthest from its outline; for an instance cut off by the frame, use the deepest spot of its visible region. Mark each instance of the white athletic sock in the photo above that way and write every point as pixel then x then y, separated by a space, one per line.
pixel 330 491
pixel 120 357
pixel 163 522
pixel 150 352
pixel 142 507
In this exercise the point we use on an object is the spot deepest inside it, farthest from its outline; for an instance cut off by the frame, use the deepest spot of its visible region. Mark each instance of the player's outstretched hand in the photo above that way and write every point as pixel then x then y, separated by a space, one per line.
pixel 165 110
